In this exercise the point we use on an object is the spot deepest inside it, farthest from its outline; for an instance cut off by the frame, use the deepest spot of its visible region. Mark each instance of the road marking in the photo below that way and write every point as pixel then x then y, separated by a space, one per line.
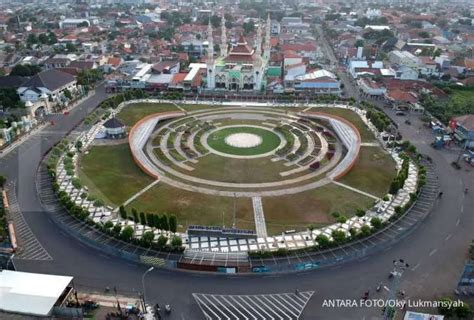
pixel 448 237
pixel 415 267
pixel 458 221
pixel 256 307
pixel 462 208
pixel 433 252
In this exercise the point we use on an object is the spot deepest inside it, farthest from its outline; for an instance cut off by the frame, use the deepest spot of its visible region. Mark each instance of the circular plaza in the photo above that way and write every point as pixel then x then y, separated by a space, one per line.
pixel 219 166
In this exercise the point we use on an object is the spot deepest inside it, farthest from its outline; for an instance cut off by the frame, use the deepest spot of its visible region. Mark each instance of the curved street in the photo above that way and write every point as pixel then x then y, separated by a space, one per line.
pixel 435 251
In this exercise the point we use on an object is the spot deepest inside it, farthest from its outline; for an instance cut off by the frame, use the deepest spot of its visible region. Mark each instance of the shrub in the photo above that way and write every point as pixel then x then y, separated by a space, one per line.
pixel 176 242
pixel 127 233
pixel 161 242
pixel 339 236
pixel 98 203
pixel 376 222
pixel 148 237
pixel 76 183
pixel 360 213
pixel 335 214
pixel 123 213
pixel 341 219
pixel 83 195
pixel 108 225
pixel 365 230
pixel 323 241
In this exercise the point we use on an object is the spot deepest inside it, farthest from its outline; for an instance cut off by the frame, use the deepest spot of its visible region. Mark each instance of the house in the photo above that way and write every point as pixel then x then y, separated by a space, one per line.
pixel 166 67
pixel 318 81
pixel 463 127
pixel 360 68
pixel 44 88
pixel 370 87
pixel 404 58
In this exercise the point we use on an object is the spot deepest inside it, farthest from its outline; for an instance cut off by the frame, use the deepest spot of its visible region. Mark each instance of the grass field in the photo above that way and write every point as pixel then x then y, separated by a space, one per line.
pixel 134 112
pixel 270 141
pixel 462 97
pixel 195 208
pixel 315 206
pixel 373 172
pixel 111 174
pixel 214 167
pixel 365 134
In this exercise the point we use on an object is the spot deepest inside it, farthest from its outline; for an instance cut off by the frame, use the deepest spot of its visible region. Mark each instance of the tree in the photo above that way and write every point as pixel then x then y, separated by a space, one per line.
pixel 150 220
pixel 142 218
pixel 67 94
pixel 365 230
pixel 70 47
pixel 43 38
pixel 462 311
pixel 323 241
pixel 359 43
pixel 339 236
pixel 376 222
pixel 123 212
pixel 135 215
pixel 127 233
pixel 3 180
pixel 360 213
pixel 31 39
pixel 24 70
pixel 248 27
pixel 176 242
pixel 161 242
pixel 311 227
pixel 445 307
pixel 341 219
pixel 173 223
pixel 165 222
pixel 148 238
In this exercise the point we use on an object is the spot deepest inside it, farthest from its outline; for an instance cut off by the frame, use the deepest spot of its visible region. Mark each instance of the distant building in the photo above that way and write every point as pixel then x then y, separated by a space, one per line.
pixel 463 127
pixel 72 23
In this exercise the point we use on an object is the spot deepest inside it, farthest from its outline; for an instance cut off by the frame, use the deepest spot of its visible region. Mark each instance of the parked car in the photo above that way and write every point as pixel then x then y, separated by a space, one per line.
pixel 400 113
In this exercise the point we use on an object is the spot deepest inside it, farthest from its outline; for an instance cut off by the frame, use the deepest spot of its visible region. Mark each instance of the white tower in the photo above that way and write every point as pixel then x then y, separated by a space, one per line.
pixel 211 80
pixel 223 38
pixel 267 46
pixel 258 40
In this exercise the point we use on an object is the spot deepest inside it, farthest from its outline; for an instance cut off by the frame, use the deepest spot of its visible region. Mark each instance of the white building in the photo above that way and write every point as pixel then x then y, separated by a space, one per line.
pixel 72 23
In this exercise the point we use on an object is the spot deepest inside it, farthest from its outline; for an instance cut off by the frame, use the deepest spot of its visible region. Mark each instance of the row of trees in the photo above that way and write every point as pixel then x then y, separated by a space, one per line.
pixel 378 119
pixel 48 38
pixel 399 181
pixel 160 221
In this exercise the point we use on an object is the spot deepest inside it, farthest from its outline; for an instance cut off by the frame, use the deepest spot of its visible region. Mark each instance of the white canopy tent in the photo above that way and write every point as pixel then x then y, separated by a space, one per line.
pixel 30 293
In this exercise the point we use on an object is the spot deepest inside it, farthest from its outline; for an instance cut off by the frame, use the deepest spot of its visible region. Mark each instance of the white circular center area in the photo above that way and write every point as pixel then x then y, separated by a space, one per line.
pixel 243 140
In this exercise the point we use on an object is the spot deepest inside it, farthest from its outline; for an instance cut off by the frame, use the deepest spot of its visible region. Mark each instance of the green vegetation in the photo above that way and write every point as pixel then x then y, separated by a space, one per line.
pixel 111 174
pixel 195 208
pixel 296 211
pixel 132 113
pixel 270 141
pixel 461 102
pixel 373 171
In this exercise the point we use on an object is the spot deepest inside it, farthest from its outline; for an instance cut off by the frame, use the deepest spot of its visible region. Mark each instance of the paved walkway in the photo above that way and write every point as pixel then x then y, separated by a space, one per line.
pixel 356 190
pixel 259 217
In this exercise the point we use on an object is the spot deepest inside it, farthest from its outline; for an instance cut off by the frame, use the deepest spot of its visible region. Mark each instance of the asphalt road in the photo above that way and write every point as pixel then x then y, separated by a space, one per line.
pixel 436 250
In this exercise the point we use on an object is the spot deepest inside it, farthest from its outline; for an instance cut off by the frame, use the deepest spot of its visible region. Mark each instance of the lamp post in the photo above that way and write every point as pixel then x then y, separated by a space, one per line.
pixel 10 259
pixel 143 286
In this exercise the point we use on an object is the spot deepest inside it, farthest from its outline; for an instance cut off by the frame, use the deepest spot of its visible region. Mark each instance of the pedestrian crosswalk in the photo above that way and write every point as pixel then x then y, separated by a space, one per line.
pixel 253 307
pixel 29 248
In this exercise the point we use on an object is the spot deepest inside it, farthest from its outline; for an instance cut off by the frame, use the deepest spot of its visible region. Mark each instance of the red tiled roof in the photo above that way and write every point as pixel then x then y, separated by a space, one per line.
pixel 178 78
pixel 467 121
pixel 400 95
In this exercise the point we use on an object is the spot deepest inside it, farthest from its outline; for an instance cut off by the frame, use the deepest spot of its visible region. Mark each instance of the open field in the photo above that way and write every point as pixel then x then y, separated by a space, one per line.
pixel 315 206
pixel 111 174
pixel 373 172
pixel 134 112
pixel 195 208
pixel 214 167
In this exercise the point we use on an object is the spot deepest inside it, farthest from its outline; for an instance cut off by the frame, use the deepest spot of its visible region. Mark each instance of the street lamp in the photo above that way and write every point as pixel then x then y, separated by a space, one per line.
pixel 143 285
pixel 10 259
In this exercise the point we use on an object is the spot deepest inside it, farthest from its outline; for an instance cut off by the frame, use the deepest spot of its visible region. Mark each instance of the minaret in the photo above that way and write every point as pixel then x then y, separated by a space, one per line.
pixel 258 40
pixel 223 38
pixel 267 47
pixel 211 83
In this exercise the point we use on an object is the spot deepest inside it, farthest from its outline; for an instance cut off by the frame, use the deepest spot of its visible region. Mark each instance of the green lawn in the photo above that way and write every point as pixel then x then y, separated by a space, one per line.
pixel 132 113
pixel 195 208
pixel 373 172
pixel 111 174
pixel 315 206
pixel 365 134
pixel 270 141
pixel 214 167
